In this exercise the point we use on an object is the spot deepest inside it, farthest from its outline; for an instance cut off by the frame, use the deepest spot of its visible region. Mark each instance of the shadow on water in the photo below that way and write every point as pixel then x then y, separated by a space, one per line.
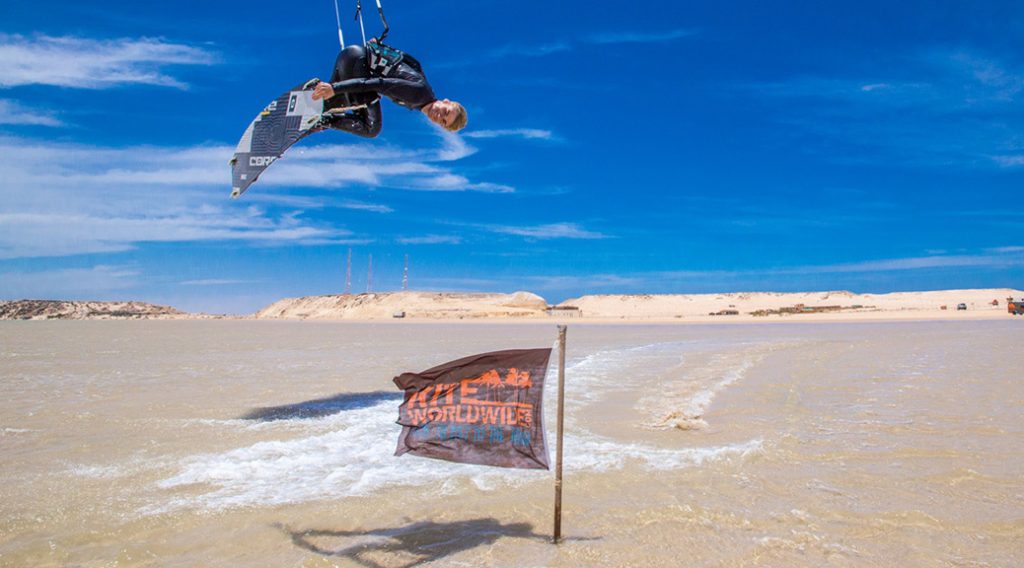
pixel 322 406
pixel 411 544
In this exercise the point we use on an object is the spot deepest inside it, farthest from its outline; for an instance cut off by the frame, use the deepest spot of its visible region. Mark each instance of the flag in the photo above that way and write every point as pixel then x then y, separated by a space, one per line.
pixel 484 409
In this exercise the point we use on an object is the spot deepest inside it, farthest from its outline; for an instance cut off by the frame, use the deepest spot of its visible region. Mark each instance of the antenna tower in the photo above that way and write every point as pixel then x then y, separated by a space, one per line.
pixel 348 273
pixel 405 274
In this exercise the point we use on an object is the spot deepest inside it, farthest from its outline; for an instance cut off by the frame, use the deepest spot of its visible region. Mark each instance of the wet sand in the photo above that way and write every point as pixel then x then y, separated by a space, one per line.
pixel 263 443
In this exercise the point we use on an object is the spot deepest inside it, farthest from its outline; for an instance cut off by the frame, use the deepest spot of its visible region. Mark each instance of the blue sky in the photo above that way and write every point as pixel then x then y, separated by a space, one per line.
pixel 611 148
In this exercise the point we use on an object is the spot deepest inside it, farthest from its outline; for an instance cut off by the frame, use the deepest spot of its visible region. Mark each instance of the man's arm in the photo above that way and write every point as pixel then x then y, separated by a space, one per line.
pixel 409 90
pixel 375 84
pixel 380 85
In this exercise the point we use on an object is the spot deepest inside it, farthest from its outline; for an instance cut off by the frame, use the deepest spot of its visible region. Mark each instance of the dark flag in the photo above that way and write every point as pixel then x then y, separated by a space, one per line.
pixel 483 409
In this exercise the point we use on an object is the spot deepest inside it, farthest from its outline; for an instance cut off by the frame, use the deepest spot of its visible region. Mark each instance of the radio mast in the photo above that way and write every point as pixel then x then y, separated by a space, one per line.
pixel 405 275
pixel 369 276
pixel 348 273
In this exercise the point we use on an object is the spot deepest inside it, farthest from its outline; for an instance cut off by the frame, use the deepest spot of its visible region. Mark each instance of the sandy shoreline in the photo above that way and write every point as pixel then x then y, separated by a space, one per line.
pixel 864 317
pixel 740 307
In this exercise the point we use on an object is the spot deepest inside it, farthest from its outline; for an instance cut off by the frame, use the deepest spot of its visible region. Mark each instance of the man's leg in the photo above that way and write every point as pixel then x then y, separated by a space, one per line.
pixel 365 122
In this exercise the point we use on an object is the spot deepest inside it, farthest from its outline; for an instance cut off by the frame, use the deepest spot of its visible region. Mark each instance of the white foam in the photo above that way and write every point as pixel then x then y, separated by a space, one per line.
pixel 687 412
pixel 351 453
pixel 301 425
pixel 600 374
pixel 592 453
pixel 96 471
pixel 357 459
pixel 17 430
pixel 683 402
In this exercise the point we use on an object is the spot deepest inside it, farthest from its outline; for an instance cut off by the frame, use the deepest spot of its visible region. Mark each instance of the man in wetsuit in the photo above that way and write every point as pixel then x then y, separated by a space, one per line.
pixel 390 73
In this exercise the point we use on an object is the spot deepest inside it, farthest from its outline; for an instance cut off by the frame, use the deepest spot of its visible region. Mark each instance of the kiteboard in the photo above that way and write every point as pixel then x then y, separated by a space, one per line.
pixel 286 120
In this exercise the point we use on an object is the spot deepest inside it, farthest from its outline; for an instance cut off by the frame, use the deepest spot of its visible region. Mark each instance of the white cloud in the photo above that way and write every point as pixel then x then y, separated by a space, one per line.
pixel 584 282
pixel 1009 161
pixel 364 206
pixel 519 50
pixel 454 148
pixel 526 133
pixel 58 234
pixel 992 258
pixel 1001 257
pixel 452 182
pixel 936 108
pixel 215 282
pixel 1007 249
pixel 550 231
pixel 639 37
pixel 430 240
pixel 62 199
pixel 67 283
pixel 93 64
pixel 488 187
pixel 13 112
pixel 993 81
pixel 378 165
pixel 888 265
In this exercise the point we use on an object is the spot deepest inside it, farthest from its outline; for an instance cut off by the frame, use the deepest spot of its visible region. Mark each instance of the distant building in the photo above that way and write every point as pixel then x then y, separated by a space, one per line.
pixel 565 311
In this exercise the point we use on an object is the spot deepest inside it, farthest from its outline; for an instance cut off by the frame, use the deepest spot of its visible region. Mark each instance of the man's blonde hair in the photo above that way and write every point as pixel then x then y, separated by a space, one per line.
pixel 461 118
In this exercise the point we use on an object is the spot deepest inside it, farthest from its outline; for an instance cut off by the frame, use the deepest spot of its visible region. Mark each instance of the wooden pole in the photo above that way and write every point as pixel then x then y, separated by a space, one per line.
pixel 561 416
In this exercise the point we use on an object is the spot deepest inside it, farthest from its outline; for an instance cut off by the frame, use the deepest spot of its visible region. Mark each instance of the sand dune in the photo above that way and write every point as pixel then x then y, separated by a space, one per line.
pixel 428 305
pixel 740 306
pixel 816 305
pixel 752 306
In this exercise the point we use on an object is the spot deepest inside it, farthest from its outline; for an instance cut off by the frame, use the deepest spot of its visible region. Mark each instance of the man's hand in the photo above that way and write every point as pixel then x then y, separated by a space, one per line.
pixel 323 91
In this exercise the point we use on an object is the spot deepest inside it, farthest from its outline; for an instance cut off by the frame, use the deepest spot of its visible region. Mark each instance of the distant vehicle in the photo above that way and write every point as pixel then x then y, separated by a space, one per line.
pixel 961 307
pixel 1015 306
pixel 398 315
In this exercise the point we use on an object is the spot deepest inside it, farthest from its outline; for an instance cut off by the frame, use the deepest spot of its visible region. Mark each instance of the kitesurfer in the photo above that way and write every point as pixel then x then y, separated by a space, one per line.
pixel 386 72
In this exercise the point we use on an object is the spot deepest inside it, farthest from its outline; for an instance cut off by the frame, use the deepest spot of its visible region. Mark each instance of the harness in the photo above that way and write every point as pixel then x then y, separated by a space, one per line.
pixel 383 59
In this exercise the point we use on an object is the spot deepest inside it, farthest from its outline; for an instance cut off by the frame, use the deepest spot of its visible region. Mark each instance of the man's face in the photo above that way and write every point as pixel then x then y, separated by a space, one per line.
pixel 442 113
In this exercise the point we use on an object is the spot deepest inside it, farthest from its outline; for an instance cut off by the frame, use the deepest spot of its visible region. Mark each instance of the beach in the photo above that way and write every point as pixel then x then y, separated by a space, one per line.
pixel 269 443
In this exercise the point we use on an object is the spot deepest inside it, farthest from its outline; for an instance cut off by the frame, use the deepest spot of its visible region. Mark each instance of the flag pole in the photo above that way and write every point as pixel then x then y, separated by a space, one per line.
pixel 561 415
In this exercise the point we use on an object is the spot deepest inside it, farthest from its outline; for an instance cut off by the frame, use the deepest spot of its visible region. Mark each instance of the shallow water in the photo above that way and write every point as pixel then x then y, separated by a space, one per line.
pixel 187 443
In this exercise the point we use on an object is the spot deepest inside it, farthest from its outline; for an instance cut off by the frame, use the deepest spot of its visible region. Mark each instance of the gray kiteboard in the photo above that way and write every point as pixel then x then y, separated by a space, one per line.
pixel 286 120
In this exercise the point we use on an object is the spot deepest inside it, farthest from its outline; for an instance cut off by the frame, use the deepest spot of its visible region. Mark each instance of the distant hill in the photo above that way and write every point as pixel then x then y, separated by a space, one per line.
pixel 733 307
pixel 407 304
pixel 831 304
pixel 76 310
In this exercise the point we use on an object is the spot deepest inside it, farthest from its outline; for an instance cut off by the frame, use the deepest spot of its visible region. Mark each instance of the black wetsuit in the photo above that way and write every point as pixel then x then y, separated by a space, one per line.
pixel 405 84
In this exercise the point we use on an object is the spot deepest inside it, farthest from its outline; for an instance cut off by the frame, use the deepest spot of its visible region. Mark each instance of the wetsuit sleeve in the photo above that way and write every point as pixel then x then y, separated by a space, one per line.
pixel 363 122
pixel 375 84
pixel 410 90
